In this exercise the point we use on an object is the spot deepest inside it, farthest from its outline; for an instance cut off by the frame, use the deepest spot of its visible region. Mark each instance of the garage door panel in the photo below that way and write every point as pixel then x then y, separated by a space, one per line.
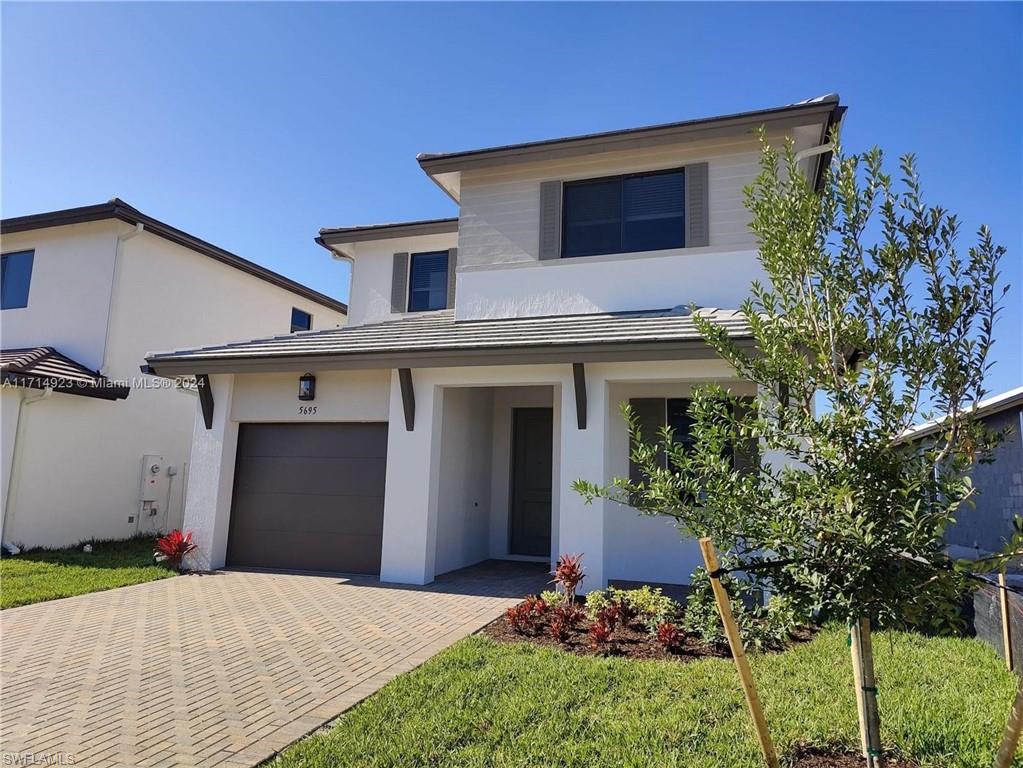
pixel 271 512
pixel 361 554
pixel 322 440
pixel 312 475
pixel 309 497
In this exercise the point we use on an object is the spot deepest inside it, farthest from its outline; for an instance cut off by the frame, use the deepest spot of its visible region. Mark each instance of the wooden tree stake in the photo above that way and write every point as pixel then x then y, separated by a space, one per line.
pixel 1012 730
pixel 710 558
pixel 1006 627
pixel 854 648
pixel 867 693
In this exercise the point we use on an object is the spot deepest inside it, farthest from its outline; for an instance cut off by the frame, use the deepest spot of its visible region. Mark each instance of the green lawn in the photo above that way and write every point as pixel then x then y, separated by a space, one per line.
pixel 46 574
pixel 943 701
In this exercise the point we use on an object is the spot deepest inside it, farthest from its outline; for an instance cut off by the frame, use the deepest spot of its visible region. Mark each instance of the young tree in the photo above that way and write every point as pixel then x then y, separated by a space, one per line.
pixel 872 318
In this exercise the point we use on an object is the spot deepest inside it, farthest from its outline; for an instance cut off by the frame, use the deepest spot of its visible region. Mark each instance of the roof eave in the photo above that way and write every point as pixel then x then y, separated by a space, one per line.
pixel 632 138
pixel 102 391
pixel 629 351
pixel 339 240
pixel 121 211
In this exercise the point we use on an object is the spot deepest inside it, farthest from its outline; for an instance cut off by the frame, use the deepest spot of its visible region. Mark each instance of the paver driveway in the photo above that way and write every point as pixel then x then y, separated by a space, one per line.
pixel 222 669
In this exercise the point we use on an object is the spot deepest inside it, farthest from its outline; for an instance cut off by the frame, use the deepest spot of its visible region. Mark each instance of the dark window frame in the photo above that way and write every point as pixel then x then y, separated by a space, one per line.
pixel 621 214
pixel 411 290
pixel 295 328
pixel 22 304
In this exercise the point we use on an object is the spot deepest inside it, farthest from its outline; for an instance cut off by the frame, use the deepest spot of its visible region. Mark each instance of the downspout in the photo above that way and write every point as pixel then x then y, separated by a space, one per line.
pixel 12 480
pixel 118 250
pixel 340 255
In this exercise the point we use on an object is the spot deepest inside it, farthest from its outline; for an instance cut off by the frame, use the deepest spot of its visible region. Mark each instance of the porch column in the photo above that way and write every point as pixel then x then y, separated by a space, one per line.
pixel 211 477
pixel 411 491
pixel 581 526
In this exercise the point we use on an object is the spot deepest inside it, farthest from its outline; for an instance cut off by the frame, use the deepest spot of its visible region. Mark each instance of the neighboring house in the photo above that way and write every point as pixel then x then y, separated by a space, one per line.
pixel 486 359
pixel 988 525
pixel 92 448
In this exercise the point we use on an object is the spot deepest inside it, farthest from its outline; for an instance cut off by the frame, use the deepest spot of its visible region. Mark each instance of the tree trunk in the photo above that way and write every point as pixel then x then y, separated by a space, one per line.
pixel 870 721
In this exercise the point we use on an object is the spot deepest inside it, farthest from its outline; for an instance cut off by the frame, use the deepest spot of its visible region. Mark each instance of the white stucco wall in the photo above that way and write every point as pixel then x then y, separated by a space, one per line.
pixel 165 297
pixel 616 542
pixel 463 509
pixel 372 270
pixel 211 481
pixel 10 405
pixel 668 556
pixel 69 290
pixel 341 396
pixel 708 277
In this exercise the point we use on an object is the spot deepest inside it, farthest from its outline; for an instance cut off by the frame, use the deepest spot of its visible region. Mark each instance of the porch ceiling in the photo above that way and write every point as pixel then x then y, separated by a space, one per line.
pixel 435 339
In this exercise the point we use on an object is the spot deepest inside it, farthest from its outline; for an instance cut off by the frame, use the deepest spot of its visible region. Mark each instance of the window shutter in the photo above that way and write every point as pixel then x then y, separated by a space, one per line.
pixel 697 206
pixel 452 262
pixel 399 283
pixel 550 220
pixel 650 412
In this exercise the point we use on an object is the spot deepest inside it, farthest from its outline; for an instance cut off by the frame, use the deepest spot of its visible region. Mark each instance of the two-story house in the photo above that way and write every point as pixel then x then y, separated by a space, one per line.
pixel 91 448
pixel 486 359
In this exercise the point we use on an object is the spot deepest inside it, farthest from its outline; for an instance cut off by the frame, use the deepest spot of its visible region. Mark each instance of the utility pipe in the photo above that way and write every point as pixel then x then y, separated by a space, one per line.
pixel 118 250
pixel 814 151
pixel 23 402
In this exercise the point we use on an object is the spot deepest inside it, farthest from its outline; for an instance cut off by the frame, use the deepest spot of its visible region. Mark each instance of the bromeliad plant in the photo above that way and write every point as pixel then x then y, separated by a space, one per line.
pixel 173 548
pixel 568 574
pixel 873 318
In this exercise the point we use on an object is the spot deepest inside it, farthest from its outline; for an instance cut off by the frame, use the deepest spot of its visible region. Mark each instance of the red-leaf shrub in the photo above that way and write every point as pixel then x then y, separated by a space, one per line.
pixel 600 634
pixel 670 636
pixel 568 573
pixel 527 615
pixel 626 611
pixel 609 616
pixel 173 547
pixel 564 619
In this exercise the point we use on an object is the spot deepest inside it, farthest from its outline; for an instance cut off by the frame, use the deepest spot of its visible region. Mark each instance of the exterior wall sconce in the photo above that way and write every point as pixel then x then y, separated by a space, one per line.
pixel 307 387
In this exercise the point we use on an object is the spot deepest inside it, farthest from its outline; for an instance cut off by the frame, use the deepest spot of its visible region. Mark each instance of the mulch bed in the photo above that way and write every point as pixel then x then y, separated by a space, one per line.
pixel 631 641
pixel 819 757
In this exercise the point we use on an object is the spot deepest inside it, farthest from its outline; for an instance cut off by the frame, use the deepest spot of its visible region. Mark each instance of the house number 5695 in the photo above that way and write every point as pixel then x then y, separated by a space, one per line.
pixel 307 410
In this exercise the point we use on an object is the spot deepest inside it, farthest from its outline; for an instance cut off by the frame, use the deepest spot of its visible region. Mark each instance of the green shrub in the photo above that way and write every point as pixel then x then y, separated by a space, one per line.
pixel 761 627
pixel 552 597
pixel 647 603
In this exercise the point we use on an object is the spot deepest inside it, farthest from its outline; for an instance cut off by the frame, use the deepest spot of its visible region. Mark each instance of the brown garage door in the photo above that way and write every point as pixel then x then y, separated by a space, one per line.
pixel 309 497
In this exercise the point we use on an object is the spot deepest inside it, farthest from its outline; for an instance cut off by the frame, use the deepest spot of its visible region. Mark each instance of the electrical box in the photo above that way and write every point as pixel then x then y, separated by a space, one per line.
pixel 153 483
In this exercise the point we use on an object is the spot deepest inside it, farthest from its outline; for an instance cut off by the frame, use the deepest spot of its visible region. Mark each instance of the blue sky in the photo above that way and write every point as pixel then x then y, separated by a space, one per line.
pixel 253 125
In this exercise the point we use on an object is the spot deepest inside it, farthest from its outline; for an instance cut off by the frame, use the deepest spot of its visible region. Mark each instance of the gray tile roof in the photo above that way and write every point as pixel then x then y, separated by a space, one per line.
pixel 437 335
pixel 45 367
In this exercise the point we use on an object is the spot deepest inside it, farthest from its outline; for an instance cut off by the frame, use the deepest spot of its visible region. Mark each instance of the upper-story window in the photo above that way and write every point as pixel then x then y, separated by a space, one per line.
pixel 15 278
pixel 624 214
pixel 428 281
pixel 300 321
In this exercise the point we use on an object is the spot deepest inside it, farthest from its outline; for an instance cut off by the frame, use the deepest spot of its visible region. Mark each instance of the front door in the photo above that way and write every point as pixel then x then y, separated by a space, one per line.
pixel 532 454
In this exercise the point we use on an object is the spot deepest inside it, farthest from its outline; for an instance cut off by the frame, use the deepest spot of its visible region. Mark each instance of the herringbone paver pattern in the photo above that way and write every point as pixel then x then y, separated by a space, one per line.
pixel 222 669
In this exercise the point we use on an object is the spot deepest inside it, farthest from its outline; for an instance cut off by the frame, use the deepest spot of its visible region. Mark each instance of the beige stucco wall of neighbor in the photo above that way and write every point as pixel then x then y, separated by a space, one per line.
pixel 80 464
